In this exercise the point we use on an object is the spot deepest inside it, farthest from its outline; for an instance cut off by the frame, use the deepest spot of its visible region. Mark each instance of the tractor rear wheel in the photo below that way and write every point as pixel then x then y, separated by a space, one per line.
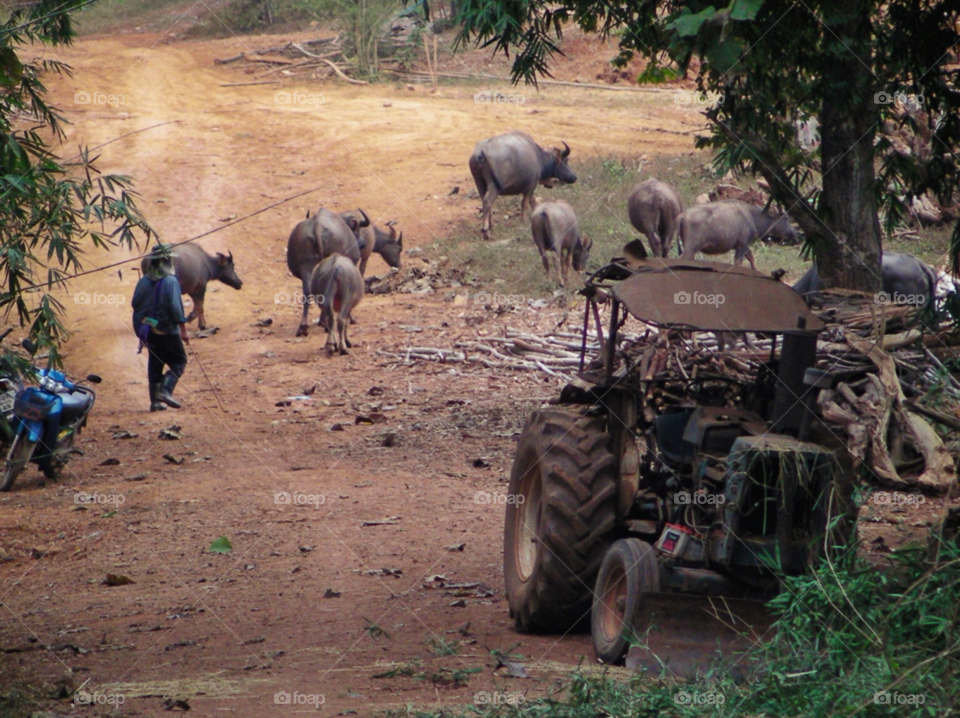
pixel 561 507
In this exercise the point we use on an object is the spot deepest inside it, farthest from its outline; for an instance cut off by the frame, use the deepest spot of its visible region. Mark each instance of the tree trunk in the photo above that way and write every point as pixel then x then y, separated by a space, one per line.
pixel 848 248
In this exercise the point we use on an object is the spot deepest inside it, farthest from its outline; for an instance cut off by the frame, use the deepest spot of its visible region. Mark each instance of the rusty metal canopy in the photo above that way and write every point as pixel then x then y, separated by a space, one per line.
pixel 711 296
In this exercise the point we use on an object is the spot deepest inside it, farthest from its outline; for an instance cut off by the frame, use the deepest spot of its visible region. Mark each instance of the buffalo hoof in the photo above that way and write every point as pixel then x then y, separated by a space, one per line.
pixel 302 330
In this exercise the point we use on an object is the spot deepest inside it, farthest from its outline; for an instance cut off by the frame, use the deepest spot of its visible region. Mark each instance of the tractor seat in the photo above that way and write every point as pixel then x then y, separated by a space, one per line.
pixel 669 431
pixel 74 405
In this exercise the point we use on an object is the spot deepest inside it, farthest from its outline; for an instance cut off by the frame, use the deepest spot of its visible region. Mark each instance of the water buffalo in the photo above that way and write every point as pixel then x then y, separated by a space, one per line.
pixel 557 236
pixel 387 244
pixel 514 164
pixel 718 227
pixel 902 275
pixel 338 287
pixel 195 269
pixel 654 207
pixel 316 238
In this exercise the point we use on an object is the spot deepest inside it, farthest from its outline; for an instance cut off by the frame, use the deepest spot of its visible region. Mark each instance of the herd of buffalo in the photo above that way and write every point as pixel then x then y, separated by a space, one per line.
pixel 328 251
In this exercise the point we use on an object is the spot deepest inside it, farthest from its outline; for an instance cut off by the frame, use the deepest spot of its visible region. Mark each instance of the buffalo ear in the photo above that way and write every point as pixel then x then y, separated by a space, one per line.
pixel 400 241
pixel 353 224
pixel 223 260
pixel 586 242
pixel 308 214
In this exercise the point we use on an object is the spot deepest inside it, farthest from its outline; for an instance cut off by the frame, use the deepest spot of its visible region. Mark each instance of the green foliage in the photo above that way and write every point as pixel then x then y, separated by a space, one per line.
pixel 653 74
pixel 848 638
pixel 221 545
pixel 51 210
pixel 374 631
pixel 443 647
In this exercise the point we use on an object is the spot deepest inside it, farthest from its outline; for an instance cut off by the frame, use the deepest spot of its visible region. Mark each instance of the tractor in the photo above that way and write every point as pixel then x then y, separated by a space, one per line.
pixel 668 525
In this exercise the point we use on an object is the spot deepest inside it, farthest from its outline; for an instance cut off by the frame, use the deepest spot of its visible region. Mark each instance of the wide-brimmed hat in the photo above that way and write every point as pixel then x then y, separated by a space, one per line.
pixel 160 259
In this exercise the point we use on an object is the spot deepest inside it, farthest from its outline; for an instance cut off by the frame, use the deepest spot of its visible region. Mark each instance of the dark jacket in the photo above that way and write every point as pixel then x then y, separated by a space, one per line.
pixel 169 310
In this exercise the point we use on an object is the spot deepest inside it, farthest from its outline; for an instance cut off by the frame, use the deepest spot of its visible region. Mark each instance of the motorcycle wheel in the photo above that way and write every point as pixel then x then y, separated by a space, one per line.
pixel 20 452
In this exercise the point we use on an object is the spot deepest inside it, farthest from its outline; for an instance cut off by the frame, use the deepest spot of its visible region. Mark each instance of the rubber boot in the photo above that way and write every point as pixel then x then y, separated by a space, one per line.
pixel 155 403
pixel 166 390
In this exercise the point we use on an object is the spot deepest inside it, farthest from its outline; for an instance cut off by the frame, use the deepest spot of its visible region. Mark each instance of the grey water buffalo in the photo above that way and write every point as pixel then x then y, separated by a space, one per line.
pixel 318 237
pixel 654 207
pixel 387 244
pixel 902 275
pixel 195 269
pixel 514 164
pixel 337 285
pixel 557 235
pixel 719 227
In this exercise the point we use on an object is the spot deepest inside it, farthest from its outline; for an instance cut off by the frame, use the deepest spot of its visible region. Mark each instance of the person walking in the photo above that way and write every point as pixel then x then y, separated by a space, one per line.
pixel 161 326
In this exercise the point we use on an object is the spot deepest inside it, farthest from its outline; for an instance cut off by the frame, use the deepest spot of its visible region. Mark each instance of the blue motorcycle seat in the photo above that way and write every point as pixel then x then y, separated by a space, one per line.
pixel 75 404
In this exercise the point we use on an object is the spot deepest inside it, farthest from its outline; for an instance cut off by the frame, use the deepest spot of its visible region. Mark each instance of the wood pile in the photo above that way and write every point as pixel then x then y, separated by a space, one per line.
pixel 320 58
pixel 883 357
pixel 556 354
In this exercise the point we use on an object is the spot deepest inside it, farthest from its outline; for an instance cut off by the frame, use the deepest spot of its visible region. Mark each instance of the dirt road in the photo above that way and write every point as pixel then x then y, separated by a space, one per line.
pixel 311 601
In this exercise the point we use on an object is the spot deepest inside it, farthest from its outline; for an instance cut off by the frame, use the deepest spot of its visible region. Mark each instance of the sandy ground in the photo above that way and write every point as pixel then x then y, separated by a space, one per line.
pixel 229 632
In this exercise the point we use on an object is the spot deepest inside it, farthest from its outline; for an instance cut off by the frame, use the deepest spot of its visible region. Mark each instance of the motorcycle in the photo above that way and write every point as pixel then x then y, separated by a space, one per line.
pixel 49 416
pixel 10 384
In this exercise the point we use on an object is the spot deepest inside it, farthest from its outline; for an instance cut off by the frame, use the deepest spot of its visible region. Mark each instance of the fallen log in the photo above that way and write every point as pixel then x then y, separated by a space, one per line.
pixel 336 69
pixel 939 470
pixel 247 84
pixel 950 421
pixel 228 60
pixel 270 60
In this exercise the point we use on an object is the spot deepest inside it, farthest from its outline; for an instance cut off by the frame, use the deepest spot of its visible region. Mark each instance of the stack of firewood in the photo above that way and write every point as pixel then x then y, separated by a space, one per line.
pixel 557 354
pixel 320 58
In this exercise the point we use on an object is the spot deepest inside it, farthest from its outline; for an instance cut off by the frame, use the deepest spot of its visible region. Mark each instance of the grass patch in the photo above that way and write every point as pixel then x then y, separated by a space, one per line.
pixel 111 16
pixel 17 700
pixel 509 263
